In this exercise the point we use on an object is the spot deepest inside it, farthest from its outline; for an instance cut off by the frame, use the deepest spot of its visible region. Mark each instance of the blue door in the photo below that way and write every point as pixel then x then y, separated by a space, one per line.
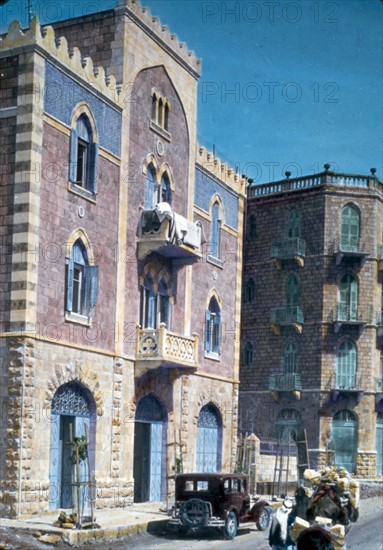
pixel 149 467
pixel 379 444
pixel 55 464
pixel 208 452
pixel 344 433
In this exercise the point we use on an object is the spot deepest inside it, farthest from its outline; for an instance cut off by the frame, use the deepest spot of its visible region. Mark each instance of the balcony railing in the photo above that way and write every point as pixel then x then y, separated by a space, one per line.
pixel 287 315
pixel 288 249
pixel 163 231
pixel 351 250
pixel 348 315
pixel 285 382
pixel 160 347
pixel 342 384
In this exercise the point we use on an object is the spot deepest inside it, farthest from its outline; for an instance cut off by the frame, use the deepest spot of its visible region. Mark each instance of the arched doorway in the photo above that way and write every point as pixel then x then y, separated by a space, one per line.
pixel 73 411
pixel 344 434
pixel 209 440
pixel 149 469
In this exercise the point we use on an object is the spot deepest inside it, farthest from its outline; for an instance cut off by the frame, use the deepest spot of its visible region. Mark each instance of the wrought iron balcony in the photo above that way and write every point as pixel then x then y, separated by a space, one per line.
pixel 288 249
pixel 354 252
pixel 346 315
pixel 163 231
pixel 287 316
pixel 345 385
pixel 285 382
pixel 162 348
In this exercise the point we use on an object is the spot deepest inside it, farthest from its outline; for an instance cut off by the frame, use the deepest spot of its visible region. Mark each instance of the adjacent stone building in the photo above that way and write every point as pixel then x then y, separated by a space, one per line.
pixel 120 265
pixel 311 319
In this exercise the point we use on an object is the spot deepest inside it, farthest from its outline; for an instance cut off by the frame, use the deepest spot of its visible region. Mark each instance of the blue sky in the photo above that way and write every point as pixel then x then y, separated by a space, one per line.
pixel 285 85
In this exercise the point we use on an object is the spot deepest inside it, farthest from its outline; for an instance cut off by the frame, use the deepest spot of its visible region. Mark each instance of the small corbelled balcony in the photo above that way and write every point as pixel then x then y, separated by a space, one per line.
pixel 158 347
pixel 346 316
pixel 344 386
pixel 163 231
pixel 288 249
pixel 354 252
pixel 288 382
pixel 287 316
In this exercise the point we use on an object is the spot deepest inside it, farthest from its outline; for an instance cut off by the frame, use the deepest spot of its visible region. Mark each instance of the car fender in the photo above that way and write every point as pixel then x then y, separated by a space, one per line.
pixel 257 508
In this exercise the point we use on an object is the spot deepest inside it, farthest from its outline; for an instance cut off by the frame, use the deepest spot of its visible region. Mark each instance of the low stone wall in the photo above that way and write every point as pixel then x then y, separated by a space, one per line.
pixel 370 489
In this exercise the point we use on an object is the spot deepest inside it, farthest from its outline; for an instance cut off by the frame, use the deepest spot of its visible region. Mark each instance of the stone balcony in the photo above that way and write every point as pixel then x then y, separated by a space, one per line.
pixel 163 231
pixel 288 382
pixel 288 249
pixel 287 316
pixel 162 348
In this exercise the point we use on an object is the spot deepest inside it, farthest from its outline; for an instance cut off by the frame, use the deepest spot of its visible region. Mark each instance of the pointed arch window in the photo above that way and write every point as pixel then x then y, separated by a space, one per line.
pixel 165 192
pixel 346 364
pixel 163 303
pixel 151 187
pixel 290 358
pixel 213 327
pixel 248 354
pixel 82 282
pixel 83 162
pixel 350 229
pixel 249 295
pixel 293 297
pixel 294 225
pixel 348 298
pixel 215 243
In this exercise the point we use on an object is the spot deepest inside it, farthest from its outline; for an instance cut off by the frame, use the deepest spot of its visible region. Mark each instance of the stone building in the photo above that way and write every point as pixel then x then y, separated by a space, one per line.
pixel 120 265
pixel 311 319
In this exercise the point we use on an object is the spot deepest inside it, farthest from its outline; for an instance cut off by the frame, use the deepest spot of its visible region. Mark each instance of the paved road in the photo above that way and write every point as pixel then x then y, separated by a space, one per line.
pixel 366 534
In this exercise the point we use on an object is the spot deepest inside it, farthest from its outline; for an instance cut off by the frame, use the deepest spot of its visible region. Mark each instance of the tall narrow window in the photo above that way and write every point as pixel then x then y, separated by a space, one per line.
pixel 292 292
pixel 350 229
pixel 249 291
pixel 154 107
pixel 163 303
pixel 290 358
pixel 346 366
pixel 294 225
pixel 166 121
pixel 83 156
pixel 151 188
pixel 252 227
pixel 213 327
pixel 82 281
pixel 165 192
pixel 248 354
pixel 348 298
pixel 215 231
pixel 160 112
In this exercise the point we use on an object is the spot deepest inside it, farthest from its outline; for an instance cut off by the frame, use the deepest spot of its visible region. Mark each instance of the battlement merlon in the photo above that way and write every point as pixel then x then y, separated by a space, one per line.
pixel 57 49
pixel 212 165
pixel 143 17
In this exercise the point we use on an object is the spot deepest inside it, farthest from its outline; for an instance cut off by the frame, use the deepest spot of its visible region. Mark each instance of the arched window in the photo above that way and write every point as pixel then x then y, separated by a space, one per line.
pixel 148 304
pixel 82 281
pixel 160 112
pixel 83 155
pixel 287 425
pixel 344 434
pixel 293 297
pixel 151 188
pixel 163 303
pixel 348 298
pixel 248 354
pixel 252 227
pixel 350 229
pixel 213 327
pixel 165 192
pixel 209 440
pixel 166 121
pixel 294 225
pixel 154 107
pixel 290 358
pixel 346 366
pixel 249 291
pixel 215 231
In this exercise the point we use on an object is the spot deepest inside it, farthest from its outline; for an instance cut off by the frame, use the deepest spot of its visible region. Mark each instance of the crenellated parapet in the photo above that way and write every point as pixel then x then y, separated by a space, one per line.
pixel 45 38
pixel 219 169
pixel 143 15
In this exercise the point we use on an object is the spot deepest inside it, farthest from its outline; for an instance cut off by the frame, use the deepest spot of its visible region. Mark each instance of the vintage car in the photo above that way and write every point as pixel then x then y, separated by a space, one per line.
pixel 216 500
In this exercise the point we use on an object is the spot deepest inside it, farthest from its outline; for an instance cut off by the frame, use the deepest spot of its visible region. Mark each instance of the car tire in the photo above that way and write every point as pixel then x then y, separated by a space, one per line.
pixel 231 526
pixel 263 521
pixel 194 513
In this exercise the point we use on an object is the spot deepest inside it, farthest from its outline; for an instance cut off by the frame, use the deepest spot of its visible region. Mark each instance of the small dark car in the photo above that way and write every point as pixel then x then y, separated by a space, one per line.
pixel 216 500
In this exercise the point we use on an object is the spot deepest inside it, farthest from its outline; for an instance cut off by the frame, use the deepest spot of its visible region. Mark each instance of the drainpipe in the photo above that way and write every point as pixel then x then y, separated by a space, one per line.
pixel 21 429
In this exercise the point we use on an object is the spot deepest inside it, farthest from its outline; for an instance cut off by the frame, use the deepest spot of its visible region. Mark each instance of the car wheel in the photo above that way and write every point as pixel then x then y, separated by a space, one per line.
pixel 194 513
pixel 231 526
pixel 263 521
